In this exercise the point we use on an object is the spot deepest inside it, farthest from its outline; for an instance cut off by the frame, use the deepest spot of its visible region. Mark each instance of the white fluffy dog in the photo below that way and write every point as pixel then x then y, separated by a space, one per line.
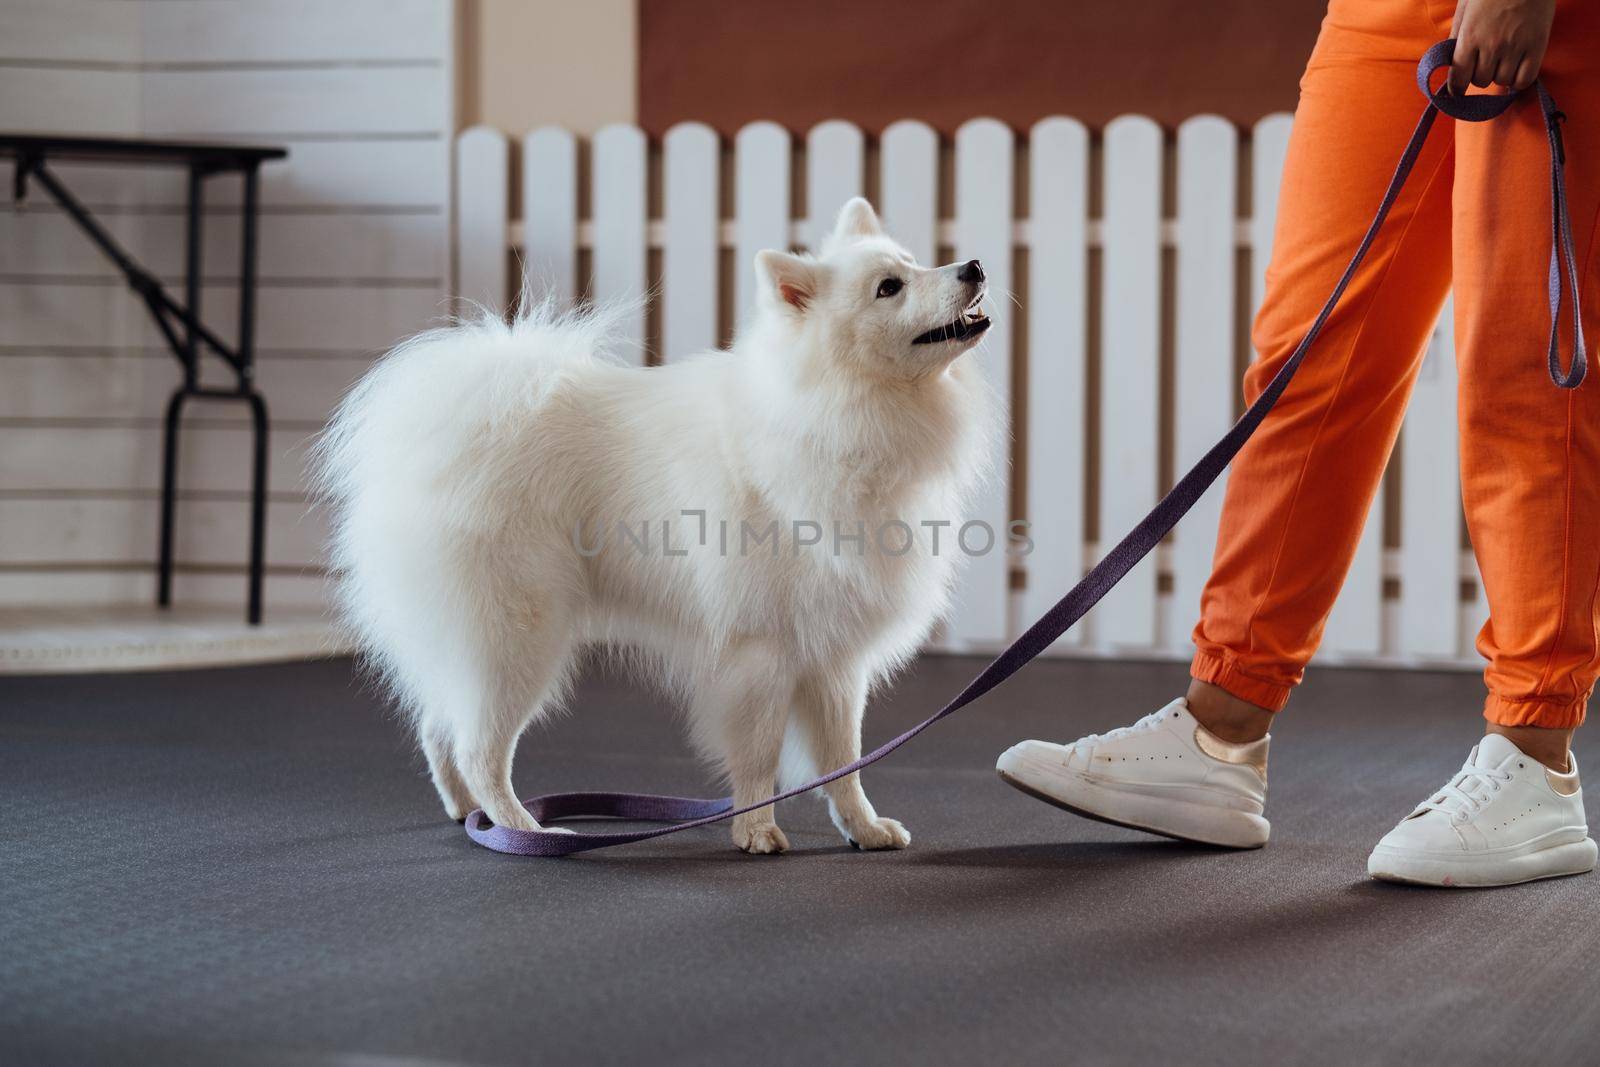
pixel 773 528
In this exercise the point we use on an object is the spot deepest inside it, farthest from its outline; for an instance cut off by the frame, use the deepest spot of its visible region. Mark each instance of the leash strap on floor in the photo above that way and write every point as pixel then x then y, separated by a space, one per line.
pixel 686 813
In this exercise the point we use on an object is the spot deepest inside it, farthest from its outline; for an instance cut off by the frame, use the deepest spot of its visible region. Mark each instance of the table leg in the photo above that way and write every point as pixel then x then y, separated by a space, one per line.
pixel 169 496
pixel 258 405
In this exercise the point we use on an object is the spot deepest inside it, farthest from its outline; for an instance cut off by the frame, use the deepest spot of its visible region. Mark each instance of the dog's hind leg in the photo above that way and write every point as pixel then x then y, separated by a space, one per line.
pixel 447 778
pixel 744 704
pixel 519 679
pixel 829 706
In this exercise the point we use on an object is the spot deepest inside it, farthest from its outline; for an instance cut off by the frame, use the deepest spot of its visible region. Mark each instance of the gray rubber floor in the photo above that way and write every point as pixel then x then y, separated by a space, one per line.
pixel 249 865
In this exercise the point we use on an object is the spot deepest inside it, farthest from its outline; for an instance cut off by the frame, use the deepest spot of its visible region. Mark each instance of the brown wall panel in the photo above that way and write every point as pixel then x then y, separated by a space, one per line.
pixel 728 62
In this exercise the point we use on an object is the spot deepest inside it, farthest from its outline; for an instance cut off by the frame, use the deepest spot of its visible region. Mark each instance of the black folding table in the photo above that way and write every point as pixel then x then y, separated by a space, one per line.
pixel 179 323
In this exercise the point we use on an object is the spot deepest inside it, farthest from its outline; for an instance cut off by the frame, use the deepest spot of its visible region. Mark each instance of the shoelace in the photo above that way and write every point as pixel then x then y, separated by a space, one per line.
pixel 1463 794
pixel 1144 725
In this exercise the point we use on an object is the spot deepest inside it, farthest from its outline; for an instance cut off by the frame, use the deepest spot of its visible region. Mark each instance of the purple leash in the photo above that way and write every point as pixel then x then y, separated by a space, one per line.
pixel 686 813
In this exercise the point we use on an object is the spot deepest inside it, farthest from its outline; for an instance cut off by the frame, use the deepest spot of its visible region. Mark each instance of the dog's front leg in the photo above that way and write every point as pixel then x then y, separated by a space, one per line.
pixel 830 706
pixel 748 706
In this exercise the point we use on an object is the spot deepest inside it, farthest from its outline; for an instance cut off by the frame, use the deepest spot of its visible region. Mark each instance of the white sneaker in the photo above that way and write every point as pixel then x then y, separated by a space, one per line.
pixel 1165 774
pixel 1505 818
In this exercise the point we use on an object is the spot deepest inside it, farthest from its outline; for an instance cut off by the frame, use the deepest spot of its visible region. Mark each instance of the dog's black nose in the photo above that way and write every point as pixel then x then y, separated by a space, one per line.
pixel 971 272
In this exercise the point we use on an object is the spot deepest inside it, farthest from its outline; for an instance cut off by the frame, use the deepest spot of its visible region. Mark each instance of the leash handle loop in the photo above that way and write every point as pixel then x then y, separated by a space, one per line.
pixel 1562 248
pixel 1474 107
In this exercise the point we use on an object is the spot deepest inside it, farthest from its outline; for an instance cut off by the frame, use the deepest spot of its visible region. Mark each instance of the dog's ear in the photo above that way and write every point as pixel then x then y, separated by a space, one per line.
pixel 791 279
pixel 857 219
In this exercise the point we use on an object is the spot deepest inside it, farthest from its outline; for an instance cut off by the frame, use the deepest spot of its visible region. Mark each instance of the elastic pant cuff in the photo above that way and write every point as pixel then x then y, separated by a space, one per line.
pixel 1549 714
pixel 1217 671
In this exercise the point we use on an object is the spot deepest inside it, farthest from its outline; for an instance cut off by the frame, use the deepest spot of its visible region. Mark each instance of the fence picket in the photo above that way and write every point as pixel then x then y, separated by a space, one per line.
pixel 550 213
pixel 1269 144
pixel 908 187
pixel 619 177
pixel 1204 382
pixel 835 151
pixel 984 152
pixel 689 260
pixel 1474 614
pixel 1430 554
pixel 761 203
pixel 1056 396
pixel 1130 367
pixel 1356 626
pixel 483 218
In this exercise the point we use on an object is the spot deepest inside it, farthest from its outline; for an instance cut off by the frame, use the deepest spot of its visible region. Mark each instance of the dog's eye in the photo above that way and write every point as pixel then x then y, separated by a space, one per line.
pixel 889 287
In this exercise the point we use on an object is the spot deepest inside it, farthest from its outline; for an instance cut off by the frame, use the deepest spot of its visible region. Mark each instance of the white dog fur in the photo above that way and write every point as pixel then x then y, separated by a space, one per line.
pixel 476 468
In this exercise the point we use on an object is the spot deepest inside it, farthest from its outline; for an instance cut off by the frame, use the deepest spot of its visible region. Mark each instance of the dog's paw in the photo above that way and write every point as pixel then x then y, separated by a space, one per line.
pixel 760 839
pixel 880 833
pixel 519 818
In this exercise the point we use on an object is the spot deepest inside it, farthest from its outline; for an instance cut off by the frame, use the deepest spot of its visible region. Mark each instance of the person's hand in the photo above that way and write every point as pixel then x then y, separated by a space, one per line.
pixel 1499 42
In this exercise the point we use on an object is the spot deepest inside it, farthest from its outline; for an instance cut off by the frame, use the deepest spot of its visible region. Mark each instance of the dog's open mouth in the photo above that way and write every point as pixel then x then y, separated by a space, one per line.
pixel 971 323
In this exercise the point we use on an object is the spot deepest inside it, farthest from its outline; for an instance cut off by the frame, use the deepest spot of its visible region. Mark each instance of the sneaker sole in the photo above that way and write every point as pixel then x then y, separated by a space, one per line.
pixel 1178 820
pixel 1557 861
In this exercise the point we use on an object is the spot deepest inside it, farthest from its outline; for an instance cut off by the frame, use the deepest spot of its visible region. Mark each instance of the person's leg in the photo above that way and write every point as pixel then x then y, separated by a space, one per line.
pixel 1299 492
pixel 1530 452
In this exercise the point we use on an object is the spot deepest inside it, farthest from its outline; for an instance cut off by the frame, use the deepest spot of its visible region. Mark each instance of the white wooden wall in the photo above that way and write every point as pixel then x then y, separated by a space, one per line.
pixel 353 256
pixel 1153 611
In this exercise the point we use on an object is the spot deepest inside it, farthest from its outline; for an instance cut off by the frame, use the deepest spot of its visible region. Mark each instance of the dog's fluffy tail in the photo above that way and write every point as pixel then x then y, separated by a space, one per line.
pixel 460 379
pixel 409 461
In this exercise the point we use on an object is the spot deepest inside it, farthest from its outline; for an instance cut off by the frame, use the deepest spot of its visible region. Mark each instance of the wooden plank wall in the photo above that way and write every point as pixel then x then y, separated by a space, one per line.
pixel 353 256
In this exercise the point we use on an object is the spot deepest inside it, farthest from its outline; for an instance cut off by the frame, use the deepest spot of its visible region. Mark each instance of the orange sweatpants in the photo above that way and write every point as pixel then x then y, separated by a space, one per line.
pixel 1475 216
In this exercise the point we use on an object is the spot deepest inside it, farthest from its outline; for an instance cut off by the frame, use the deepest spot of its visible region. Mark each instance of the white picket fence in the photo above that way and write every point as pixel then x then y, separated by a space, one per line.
pixel 1429 619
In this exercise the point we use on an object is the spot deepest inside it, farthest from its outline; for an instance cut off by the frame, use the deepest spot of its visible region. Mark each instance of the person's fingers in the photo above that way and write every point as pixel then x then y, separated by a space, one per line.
pixel 1483 68
pixel 1462 65
pixel 1505 73
pixel 1528 69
